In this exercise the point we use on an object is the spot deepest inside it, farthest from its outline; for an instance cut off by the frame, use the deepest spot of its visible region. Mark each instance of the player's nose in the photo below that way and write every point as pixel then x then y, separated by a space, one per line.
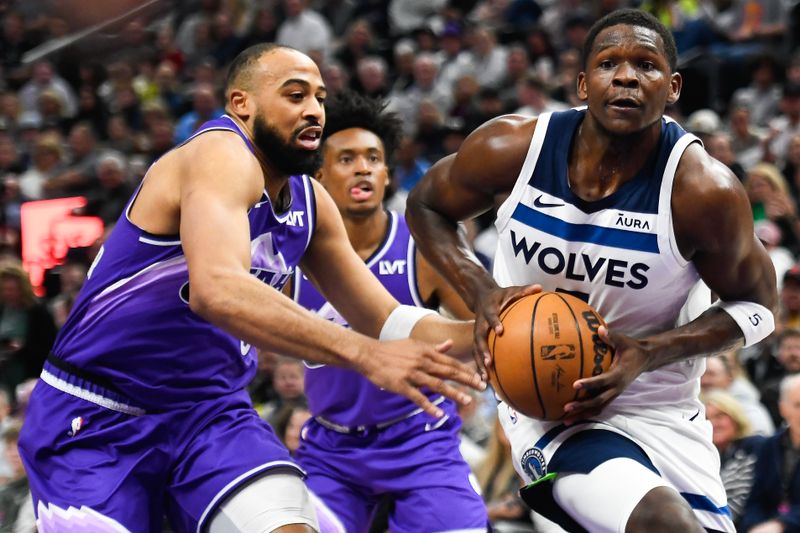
pixel 625 75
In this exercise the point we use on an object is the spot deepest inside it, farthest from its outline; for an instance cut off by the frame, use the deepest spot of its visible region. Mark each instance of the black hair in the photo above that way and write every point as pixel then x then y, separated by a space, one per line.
pixel 632 17
pixel 349 109
pixel 239 69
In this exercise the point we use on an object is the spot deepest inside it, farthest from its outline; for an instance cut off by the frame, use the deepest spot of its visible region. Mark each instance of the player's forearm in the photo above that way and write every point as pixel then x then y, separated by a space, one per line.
pixel 714 331
pixel 440 243
pixel 259 315
pixel 435 329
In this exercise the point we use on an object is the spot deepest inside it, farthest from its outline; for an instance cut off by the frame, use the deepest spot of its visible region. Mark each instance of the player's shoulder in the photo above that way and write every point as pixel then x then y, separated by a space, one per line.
pixel 701 176
pixel 709 204
pixel 496 150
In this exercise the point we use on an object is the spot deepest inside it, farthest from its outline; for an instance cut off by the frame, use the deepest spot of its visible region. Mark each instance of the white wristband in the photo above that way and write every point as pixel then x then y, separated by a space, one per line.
pixel 755 320
pixel 401 321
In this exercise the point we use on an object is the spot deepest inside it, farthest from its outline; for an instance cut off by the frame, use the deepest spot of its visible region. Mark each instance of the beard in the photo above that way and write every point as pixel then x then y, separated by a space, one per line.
pixel 288 159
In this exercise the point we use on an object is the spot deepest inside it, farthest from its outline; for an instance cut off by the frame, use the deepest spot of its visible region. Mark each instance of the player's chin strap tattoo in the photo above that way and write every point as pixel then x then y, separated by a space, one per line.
pixel 755 320
pixel 401 321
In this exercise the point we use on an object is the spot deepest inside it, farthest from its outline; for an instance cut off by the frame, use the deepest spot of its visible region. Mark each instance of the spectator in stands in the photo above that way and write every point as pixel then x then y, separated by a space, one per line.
pixel 358 44
pixel 16 508
pixel 304 29
pixel 719 376
pixel 114 191
pixel 288 383
pixel 788 357
pixel 205 106
pixel 784 127
pixel 79 176
pixel 372 77
pixel 746 141
pixel 424 87
pixel 27 330
pixel 533 98
pixel 45 77
pixel 774 502
pixel 71 276
pixel 770 236
pixel 48 162
pixel 791 167
pixel 718 146
pixel 770 198
pixel 738 448
pixel 225 43
pixel 763 95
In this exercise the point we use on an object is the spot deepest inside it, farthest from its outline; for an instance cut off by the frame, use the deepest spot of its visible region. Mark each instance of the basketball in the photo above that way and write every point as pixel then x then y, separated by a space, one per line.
pixel 549 341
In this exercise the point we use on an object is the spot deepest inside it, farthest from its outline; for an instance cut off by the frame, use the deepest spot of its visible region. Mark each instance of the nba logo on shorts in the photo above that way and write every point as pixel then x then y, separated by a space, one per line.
pixel 533 464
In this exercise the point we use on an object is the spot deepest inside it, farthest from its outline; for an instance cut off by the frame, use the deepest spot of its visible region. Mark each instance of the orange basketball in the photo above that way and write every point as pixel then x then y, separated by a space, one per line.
pixel 549 341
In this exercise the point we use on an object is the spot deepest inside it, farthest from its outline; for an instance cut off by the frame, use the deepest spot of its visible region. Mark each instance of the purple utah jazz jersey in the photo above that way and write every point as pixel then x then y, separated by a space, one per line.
pixel 343 396
pixel 132 324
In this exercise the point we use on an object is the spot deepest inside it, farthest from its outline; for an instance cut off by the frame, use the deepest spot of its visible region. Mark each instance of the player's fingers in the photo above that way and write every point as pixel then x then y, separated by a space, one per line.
pixel 481 341
pixel 445 367
pixel 518 292
pixel 440 386
pixel 480 363
pixel 445 346
pixel 606 336
pixel 422 401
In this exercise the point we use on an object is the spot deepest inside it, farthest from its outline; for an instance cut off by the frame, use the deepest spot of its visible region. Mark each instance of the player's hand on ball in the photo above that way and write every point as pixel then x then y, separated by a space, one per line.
pixel 488 306
pixel 405 366
pixel 630 360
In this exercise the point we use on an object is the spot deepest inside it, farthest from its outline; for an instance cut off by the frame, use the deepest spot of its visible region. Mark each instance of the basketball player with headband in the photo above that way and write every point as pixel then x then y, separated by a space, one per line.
pixel 619 205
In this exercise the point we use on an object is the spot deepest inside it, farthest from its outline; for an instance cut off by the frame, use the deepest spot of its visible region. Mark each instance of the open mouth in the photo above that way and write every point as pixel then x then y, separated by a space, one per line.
pixel 309 138
pixel 624 103
pixel 361 191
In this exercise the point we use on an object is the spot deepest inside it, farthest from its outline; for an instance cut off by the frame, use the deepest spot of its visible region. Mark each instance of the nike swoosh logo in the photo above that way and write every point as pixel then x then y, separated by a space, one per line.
pixel 438 424
pixel 539 203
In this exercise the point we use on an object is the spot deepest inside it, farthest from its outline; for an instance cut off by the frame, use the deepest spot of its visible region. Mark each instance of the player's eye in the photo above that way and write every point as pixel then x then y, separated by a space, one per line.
pixel 297 97
pixel 345 160
pixel 606 64
pixel 647 65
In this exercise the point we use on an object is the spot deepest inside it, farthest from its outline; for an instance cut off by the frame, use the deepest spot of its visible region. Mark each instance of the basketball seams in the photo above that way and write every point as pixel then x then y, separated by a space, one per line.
pixel 580 337
pixel 532 353
pixel 505 396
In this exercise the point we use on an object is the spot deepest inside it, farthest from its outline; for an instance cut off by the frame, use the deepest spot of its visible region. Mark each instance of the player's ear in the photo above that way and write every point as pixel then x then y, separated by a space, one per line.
pixel 239 103
pixel 581 86
pixel 675 85
pixel 318 175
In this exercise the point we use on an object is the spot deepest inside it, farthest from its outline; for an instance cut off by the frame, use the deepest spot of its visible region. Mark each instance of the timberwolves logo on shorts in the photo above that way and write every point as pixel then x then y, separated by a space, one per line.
pixel 533 464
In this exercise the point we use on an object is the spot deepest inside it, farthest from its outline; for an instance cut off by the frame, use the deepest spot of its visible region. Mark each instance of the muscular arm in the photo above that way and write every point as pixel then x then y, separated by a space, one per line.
pixel 460 187
pixel 434 288
pixel 714 229
pixel 215 234
pixel 217 187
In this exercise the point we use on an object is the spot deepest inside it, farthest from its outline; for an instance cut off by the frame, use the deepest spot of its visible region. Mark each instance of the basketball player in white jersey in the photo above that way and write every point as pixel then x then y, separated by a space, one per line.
pixel 620 206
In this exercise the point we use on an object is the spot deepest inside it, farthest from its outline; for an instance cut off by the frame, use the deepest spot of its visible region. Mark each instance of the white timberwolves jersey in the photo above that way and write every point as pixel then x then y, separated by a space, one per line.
pixel 618 253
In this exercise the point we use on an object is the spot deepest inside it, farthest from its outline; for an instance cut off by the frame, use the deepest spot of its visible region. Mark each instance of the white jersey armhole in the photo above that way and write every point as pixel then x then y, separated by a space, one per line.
pixel 506 209
pixel 666 239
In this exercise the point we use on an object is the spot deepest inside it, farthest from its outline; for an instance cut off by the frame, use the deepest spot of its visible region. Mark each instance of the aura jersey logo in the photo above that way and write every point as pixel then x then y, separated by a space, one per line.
pixel 389 267
pixel 580 267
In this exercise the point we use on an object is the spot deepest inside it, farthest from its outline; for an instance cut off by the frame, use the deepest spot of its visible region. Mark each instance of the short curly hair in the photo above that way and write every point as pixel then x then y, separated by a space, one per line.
pixel 349 109
pixel 632 17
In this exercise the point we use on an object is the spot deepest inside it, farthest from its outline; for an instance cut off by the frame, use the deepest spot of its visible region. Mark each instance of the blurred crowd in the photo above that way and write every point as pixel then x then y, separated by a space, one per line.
pixel 85 110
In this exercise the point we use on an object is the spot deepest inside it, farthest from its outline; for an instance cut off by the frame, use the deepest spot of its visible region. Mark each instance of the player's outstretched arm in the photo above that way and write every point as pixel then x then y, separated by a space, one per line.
pixel 460 187
pixel 402 365
pixel 219 183
pixel 713 226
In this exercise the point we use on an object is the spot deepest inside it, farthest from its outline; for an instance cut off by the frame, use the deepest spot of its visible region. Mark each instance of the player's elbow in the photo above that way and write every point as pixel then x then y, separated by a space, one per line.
pixel 207 296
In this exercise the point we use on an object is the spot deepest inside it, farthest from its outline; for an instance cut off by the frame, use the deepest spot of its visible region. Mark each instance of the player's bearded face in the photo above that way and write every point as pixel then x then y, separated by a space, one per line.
pixel 286 157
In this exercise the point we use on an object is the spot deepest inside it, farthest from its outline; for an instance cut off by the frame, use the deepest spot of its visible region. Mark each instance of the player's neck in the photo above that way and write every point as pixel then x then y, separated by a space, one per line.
pixel 599 163
pixel 366 233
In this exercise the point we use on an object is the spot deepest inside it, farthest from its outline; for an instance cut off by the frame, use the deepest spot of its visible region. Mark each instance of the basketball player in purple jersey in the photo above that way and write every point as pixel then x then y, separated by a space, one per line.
pixel 364 443
pixel 617 203
pixel 141 409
